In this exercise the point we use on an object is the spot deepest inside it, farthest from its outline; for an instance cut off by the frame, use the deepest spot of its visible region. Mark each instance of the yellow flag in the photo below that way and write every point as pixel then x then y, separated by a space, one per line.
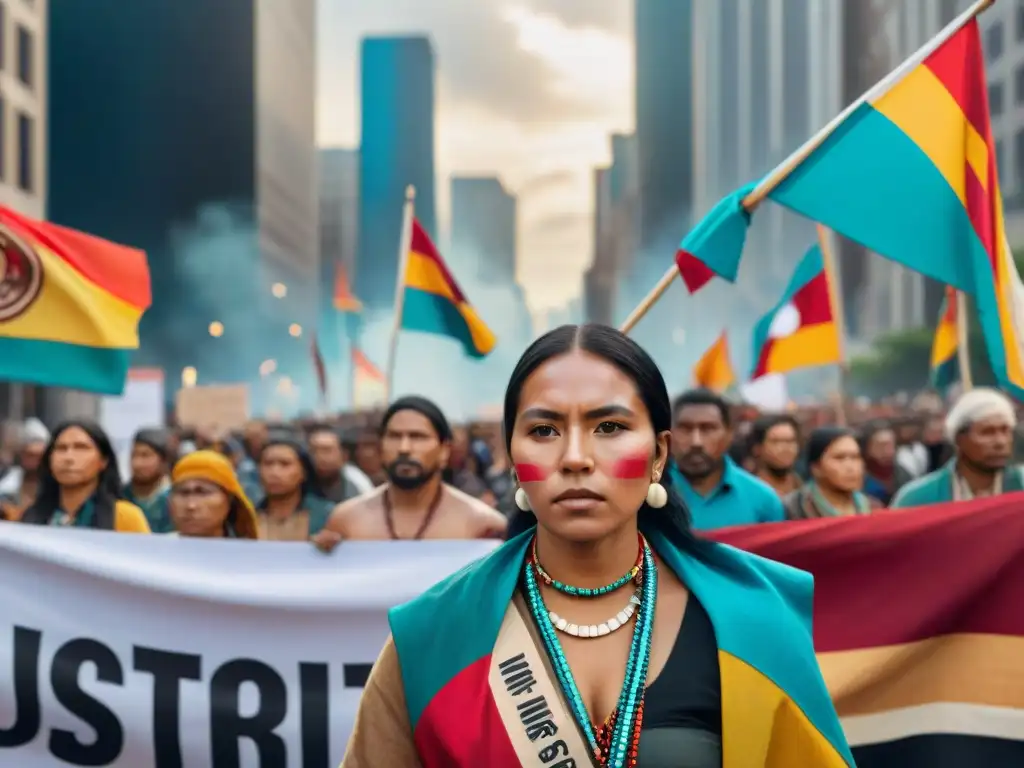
pixel 713 370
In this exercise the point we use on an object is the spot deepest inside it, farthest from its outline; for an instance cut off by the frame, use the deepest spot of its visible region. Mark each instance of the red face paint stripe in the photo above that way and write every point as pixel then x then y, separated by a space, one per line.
pixel 530 473
pixel 631 468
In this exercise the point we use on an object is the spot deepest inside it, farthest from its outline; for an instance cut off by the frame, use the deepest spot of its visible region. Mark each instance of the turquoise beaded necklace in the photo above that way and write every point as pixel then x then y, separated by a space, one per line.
pixel 568 589
pixel 616 743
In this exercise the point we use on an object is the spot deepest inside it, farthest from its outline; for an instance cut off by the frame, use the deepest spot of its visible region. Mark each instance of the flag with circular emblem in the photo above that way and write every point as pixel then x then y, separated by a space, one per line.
pixel 70 305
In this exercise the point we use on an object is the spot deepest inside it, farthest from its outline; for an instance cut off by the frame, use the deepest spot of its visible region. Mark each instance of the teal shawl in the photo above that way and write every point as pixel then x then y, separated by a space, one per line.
pixel 776 710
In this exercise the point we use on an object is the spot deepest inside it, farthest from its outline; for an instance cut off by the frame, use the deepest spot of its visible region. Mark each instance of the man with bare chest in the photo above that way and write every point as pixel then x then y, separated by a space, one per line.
pixel 415 502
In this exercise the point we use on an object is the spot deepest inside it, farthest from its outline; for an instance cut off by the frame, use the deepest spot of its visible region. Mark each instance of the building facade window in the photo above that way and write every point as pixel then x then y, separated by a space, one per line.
pixel 1018 85
pixel 26 151
pixel 26 56
pixel 1019 23
pixel 995 99
pixel 994 41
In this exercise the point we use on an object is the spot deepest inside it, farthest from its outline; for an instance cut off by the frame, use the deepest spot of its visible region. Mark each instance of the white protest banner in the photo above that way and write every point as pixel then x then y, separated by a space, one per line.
pixel 159 652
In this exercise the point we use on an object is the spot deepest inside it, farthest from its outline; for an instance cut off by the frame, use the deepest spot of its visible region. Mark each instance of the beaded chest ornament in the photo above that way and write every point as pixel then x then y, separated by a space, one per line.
pixel 615 743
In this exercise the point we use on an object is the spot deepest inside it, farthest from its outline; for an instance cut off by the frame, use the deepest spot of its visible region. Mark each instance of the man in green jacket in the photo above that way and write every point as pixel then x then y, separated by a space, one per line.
pixel 981 427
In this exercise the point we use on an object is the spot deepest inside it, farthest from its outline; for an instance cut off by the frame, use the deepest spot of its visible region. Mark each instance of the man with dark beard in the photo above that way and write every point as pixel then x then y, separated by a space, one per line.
pixel 717 491
pixel 414 503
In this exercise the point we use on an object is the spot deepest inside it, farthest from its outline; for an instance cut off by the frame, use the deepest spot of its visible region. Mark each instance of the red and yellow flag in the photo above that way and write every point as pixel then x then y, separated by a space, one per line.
pixel 714 370
pixel 801 330
pixel 369 384
pixel 70 305
pixel 911 173
pixel 946 345
pixel 344 299
pixel 434 302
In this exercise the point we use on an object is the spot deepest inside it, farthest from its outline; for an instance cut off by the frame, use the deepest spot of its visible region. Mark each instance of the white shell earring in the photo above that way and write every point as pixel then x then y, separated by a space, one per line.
pixel 657 496
pixel 523 501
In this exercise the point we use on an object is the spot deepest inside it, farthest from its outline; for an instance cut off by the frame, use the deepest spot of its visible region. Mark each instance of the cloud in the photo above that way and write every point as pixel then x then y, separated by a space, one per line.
pixel 589 68
pixel 521 62
pixel 523 65
pixel 614 16
pixel 528 90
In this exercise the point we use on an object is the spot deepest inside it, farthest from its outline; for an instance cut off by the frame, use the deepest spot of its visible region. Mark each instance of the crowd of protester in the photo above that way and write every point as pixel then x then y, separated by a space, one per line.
pixel 407 473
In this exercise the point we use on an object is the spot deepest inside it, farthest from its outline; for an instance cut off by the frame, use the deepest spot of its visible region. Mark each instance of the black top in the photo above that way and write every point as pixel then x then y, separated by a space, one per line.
pixel 682 725
pixel 687 693
pixel 683 706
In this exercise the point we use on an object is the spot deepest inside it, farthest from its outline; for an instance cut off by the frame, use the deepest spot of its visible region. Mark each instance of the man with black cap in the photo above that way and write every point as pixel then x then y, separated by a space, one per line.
pixel 149 487
pixel 415 502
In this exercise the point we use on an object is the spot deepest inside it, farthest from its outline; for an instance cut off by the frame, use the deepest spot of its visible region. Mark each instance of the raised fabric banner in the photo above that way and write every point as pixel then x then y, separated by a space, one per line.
pixel 140 651
pixel 157 652
pixel 919 627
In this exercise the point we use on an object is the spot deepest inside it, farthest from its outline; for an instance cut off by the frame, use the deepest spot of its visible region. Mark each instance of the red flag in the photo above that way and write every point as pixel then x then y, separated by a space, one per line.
pixel 318 364
pixel 695 273
pixel 344 299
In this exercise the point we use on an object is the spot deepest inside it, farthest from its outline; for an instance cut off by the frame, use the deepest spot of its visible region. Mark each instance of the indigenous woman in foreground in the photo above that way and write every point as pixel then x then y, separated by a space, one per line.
pixel 605 633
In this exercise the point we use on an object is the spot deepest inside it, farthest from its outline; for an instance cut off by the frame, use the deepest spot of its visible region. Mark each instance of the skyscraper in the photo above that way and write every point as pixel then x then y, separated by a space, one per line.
pixel 616 193
pixel 199 147
pixel 599 279
pixel 339 239
pixel 339 214
pixel 664 123
pixel 483 233
pixel 397 149
pixel 24 82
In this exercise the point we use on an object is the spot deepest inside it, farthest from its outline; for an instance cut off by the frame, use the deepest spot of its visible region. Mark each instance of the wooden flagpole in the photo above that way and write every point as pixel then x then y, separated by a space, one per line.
pixel 963 350
pixel 404 243
pixel 835 295
pixel 787 166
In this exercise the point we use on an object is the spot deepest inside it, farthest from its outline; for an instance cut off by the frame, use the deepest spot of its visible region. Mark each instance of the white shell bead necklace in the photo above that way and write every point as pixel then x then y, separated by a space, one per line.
pixel 617 621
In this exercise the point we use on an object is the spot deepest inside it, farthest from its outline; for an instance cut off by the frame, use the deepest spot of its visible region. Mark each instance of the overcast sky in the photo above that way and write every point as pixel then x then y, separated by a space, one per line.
pixel 528 90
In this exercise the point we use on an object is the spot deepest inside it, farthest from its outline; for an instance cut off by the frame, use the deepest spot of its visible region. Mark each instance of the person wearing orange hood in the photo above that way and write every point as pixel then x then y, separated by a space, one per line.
pixel 207 500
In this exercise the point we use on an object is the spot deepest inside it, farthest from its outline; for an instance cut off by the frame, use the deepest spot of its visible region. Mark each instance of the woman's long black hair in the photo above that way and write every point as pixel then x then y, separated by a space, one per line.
pixel 108 489
pixel 672 520
pixel 821 439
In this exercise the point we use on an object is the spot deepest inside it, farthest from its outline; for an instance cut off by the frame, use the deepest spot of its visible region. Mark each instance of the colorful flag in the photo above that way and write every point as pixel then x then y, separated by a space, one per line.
pixel 70 305
pixel 714 370
pixel 911 174
pixel 433 301
pixel 344 299
pixel 715 245
pixel 800 331
pixel 944 363
pixel 369 384
pixel 925 664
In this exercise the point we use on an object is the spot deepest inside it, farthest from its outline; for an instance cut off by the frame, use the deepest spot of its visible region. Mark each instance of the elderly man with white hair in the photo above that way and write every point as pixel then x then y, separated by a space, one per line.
pixel 980 426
